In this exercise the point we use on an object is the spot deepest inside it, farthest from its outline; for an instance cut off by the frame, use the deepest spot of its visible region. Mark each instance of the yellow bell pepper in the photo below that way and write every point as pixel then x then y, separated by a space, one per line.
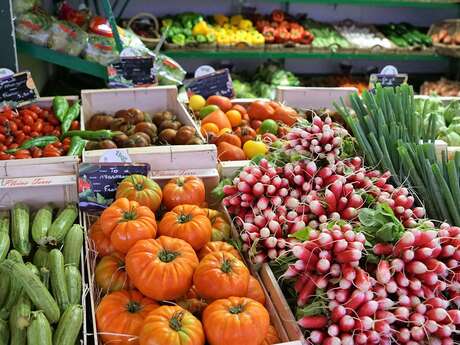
pixel 235 20
pixel 220 19
pixel 201 28
pixel 245 24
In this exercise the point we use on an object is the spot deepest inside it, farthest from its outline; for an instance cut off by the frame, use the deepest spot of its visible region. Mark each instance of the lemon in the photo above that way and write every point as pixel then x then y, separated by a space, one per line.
pixel 196 102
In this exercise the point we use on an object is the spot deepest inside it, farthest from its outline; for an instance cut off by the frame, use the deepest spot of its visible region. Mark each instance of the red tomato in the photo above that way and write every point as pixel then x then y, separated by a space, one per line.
pixel 38 126
pixel 2 138
pixel 36 152
pixel 75 125
pixel 9 140
pixel 34 134
pixel 5 156
pixel 47 129
pixel 22 154
pixel 20 136
pixel 13 126
pixel 56 132
pixel 53 120
pixel 44 114
pixel 256 124
pixel 26 129
pixel 35 108
pixel 28 120
pixel 13 146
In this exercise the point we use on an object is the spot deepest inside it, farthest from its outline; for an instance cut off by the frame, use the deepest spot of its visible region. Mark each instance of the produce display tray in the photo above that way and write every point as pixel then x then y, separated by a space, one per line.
pixel 150 100
pixel 210 179
pixel 59 190
pixel 453 28
pixel 46 166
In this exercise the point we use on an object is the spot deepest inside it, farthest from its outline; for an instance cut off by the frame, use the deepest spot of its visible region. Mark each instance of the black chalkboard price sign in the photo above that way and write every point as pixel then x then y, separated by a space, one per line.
pixel 97 182
pixel 18 88
pixel 131 72
pixel 216 83
pixel 388 80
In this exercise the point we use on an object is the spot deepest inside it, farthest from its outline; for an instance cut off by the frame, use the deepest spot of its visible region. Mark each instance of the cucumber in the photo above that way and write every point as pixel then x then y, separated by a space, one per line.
pixel 34 288
pixel 33 268
pixel 62 224
pixel 73 281
pixel 5 221
pixel 41 224
pixel 73 244
pixel 39 332
pixel 4 333
pixel 4 245
pixel 45 277
pixel 58 283
pixel 41 257
pixel 69 326
pixel 15 286
pixel 20 228
pixel 20 320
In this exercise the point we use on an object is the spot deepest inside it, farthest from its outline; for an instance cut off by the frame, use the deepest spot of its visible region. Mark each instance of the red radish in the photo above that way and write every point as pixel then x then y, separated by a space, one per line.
pixel 408 255
pixel 383 272
pixel 346 323
pixel 332 341
pixel 420 308
pixel 402 313
pixel 368 308
pixel 454 316
pixel 307 291
pixel 416 267
pixel 380 291
pixel 357 298
pixel 386 316
pixel 401 279
pixel 342 295
pixel 436 314
pixel 385 303
pixel 360 339
pixel 331 200
pixel 348 255
pixel 425 237
pixel 406 241
pixel 415 284
pixel 338 312
pixel 316 208
pixel 417 333
pixel 323 265
pixel 347 339
pixel 429 278
pixel 362 279
pixel 335 270
pixel 431 326
pixel 364 323
pixel 444 331
pixel 260 258
pixel 333 330
pixel 437 302
pixel 404 301
pixel 317 337
pixel 313 322
pixel 342 203
pixel 417 319
pixel 348 272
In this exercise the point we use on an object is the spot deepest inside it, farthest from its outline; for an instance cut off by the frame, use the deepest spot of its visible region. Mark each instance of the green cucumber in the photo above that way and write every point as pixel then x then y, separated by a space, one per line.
pixel 73 282
pixel 34 288
pixel 4 245
pixel 39 332
pixel 15 286
pixel 5 221
pixel 58 283
pixel 41 257
pixel 4 333
pixel 20 228
pixel 73 245
pixel 41 224
pixel 19 320
pixel 69 326
pixel 62 224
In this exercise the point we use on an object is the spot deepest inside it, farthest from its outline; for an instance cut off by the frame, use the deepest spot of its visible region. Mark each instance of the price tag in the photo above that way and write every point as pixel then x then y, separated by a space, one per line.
pixel 131 72
pixel 388 77
pixel 217 83
pixel 116 156
pixel 97 183
pixel 18 88
pixel 203 70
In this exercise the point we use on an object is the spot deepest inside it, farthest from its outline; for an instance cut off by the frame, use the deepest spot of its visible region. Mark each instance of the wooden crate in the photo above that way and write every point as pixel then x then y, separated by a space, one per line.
pixel 37 192
pixel 47 166
pixel 150 100
pixel 210 179
pixel 313 97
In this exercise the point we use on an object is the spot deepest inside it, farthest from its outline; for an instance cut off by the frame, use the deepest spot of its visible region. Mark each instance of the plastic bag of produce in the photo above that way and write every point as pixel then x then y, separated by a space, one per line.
pixel 22 6
pixel 67 38
pixel 33 27
pixel 100 49
pixel 168 71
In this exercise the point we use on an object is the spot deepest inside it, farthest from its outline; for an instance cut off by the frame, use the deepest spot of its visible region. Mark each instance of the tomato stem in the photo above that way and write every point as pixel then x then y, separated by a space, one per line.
pixel 167 256
pixel 176 321
pixel 130 215
pixel 236 309
pixel 180 181
pixel 139 187
pixel 226 266
pixel 184 218
pixel 133 307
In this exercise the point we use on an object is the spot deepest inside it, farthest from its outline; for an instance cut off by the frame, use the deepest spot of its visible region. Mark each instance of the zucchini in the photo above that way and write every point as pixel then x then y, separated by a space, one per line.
pixel 5 221
pixel 34 288
pixel 58 283
pixel 20 320
pixel 15 286
pixel 4 288
pixel 33 268
pixel 20 228
pixel 41 224
pixel 4 333
pixel 62 224
pixel 4 244
pixel 39 332
pixel 73 244
pixel 73 281
pixel 41 257
pixel 69 326
pixel 45 277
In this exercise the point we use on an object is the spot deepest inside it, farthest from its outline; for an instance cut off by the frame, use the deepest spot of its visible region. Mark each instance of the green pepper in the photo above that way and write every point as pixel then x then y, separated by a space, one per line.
pixel 37 142
pixel 77 144
pixel 201 38
pixel 93 135
pixel 60 107
pixel 72 114
pixel 190 40
pixel 211 38
pixel 179 39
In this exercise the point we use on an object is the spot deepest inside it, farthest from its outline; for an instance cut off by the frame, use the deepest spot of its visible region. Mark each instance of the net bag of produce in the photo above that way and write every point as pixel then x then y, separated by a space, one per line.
pixel 22 6
pixel 33 27
pixel 100 49
pixel 67 38
pixel 168 71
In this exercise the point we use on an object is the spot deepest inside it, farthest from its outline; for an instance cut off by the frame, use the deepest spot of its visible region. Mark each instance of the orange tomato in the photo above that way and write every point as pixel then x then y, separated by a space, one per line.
pixel 222 102
pixel 240 108
pixel 209 127
pixel 234 116
pixel 223 131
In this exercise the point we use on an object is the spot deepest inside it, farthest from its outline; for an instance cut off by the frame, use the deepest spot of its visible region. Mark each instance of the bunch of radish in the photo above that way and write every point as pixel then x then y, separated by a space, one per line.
pixel 321 139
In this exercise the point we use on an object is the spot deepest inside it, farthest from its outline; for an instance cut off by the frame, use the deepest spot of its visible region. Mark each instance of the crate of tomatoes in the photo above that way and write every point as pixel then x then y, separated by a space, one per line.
pixel 182 274
pixel 39 134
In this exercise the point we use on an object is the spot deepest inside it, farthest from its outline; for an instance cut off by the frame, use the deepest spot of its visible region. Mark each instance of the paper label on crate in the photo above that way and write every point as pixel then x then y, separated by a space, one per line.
pixel 217 83
pixel 18 89
pixel 98 182
pixel 131 71
pixel 36 181
pixel 116 156
pixel 388 77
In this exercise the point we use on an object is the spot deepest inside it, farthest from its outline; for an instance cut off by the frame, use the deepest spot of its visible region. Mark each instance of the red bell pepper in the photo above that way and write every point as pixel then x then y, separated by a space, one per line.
pixel 282 35
pixel 100 26
pixel 278 16
pixel 269 34
pixel 260 24
pixel 307 38
pixel 297 34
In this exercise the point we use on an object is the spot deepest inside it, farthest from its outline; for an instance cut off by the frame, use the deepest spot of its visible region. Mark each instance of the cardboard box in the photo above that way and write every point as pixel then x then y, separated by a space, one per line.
pixel 149 100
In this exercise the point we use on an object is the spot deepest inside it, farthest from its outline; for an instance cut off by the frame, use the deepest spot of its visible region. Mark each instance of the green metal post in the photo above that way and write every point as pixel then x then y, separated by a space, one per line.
pixel 8 57
pixel 109 14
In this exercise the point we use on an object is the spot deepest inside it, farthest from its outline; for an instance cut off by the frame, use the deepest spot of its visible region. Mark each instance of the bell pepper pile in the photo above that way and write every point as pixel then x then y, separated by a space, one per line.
pixel 188 28
pixel 280 28
pixel 235 30
pixel 33 131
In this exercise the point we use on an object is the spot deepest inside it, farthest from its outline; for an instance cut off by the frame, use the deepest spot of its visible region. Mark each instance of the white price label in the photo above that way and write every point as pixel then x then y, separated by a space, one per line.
pixel 116 156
